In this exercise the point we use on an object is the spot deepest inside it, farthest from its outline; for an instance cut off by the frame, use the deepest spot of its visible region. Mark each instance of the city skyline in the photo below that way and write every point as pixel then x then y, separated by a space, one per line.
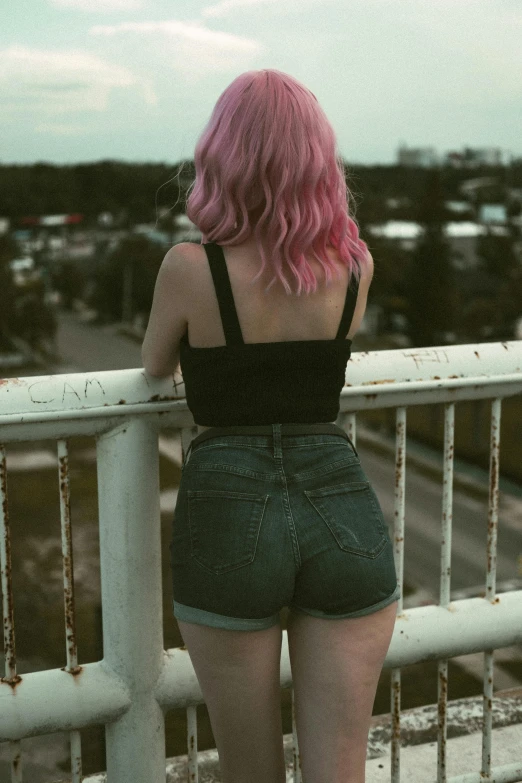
pixel 86 80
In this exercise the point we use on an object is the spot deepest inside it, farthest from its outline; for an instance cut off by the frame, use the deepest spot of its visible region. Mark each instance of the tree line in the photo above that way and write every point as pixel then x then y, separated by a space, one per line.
pixel 133 191
pixel 422 286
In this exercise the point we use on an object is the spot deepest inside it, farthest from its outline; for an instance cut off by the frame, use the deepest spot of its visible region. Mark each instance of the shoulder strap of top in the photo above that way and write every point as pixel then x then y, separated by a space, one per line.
pixel 227 308
pixel 349 309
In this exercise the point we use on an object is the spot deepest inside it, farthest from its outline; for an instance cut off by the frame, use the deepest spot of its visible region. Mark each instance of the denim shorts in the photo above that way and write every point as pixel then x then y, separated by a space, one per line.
pixel 264 521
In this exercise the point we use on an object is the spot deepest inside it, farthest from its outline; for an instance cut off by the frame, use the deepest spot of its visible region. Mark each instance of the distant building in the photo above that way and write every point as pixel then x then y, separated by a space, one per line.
pixel 473 157
pixel 405 232
pixel 417 156
pixel 492 213
pixel 459 207
pixel 461 235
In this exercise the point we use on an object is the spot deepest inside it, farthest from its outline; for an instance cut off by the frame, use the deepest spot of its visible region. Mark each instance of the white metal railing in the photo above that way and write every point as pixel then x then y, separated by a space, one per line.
pixel 130 689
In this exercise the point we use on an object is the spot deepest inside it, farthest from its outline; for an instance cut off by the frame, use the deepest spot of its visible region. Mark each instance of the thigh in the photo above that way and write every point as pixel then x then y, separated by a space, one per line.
pixel 336 666
pixel 239 676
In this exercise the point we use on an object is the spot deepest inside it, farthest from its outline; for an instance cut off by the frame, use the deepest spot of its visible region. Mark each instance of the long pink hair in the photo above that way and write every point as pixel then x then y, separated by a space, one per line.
pixel 269 151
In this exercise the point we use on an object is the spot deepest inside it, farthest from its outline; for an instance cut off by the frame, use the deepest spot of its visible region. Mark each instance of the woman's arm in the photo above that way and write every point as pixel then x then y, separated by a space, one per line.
pixel 167 320
pixel 362 297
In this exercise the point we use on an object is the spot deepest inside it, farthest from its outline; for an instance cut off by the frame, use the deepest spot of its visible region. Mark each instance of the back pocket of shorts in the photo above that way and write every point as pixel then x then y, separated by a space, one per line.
pixel 224 527
pixel 353 515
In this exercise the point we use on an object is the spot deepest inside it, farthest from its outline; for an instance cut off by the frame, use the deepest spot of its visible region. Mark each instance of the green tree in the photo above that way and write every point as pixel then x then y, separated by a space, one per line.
pixel 430 287
pixel 496 253
pixel 388 288
pixel 8 251
pixel 139 259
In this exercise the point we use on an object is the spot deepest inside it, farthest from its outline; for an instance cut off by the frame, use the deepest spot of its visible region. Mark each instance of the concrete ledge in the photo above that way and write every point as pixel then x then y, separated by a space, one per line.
pixel 418 758
pixel 418 764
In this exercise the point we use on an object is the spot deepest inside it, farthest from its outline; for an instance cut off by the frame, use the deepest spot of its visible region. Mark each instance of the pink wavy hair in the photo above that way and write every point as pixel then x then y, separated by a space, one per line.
pixel 269 151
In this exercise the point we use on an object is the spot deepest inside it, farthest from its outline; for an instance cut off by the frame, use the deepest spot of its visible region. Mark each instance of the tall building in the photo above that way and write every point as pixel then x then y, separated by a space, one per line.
pixel 417 156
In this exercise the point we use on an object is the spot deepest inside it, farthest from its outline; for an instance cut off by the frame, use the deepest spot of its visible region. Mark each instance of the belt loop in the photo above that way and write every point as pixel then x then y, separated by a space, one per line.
pixel 276 437
pixel 186 455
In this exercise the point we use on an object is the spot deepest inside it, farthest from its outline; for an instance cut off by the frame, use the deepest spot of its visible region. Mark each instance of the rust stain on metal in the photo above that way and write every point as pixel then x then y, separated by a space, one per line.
pixel 17 760
pixel 9 633
pixel 476 354
pixel 11 681
pixel 396 717
pixel 122 402
pixel 68 567
pixel 14 381
pixel 442 713
pixel 162 398
pixel 384 380
pixel 74 670
pixel 371 396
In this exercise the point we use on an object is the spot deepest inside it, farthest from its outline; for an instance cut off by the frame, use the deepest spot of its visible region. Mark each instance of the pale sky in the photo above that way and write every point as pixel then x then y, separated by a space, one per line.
pixel 136 80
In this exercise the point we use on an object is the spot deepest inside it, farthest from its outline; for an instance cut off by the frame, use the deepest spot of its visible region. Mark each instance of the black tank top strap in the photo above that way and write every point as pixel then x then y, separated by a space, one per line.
pixel 349 309
pixel 227 307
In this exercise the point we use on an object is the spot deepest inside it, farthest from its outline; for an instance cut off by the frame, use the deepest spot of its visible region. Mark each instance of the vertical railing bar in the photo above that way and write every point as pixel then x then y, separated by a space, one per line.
pixel 68 594
pixel 445 582
pixel 398 555
pixel 491 576
pixel 11 677
pixel 192 743
pixel 295 744
pixel 487 713
pixel 350 426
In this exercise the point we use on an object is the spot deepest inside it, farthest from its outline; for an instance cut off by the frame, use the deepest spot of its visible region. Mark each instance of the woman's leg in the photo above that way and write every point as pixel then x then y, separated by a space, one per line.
pixel 239 675
pixel 336 666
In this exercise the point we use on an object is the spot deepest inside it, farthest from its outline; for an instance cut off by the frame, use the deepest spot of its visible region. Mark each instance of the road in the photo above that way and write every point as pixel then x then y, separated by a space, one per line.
pixel 85 347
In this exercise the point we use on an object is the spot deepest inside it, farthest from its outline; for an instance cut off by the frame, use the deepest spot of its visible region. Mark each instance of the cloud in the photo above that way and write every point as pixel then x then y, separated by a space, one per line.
pixel 225 7
pixel 60 129
pixel 98 6
pixel 228 7
pixel 192 49
pixel 51 81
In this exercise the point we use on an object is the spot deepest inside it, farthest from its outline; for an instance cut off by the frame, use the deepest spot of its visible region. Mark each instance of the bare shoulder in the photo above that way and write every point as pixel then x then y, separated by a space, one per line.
pixel 366 272
pixel 180 264
pixel 179 254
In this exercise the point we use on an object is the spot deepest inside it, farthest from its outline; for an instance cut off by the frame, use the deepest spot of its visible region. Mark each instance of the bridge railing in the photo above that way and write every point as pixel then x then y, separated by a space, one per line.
pixel 137 680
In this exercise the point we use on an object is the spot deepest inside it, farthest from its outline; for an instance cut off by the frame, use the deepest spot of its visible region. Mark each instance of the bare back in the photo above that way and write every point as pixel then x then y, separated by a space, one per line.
pixel 271 316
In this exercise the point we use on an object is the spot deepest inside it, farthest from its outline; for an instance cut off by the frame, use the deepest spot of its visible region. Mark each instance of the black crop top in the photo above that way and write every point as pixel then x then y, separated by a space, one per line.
pixel 241 383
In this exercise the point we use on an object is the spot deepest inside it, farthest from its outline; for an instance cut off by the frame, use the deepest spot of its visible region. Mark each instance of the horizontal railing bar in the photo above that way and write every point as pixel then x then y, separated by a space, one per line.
pixel 54 700
pixel 423 633
pixel 96 695
pixel 507 773
pixel 366 370
pixel 427 393
pixel 70 428
pixel 351 399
